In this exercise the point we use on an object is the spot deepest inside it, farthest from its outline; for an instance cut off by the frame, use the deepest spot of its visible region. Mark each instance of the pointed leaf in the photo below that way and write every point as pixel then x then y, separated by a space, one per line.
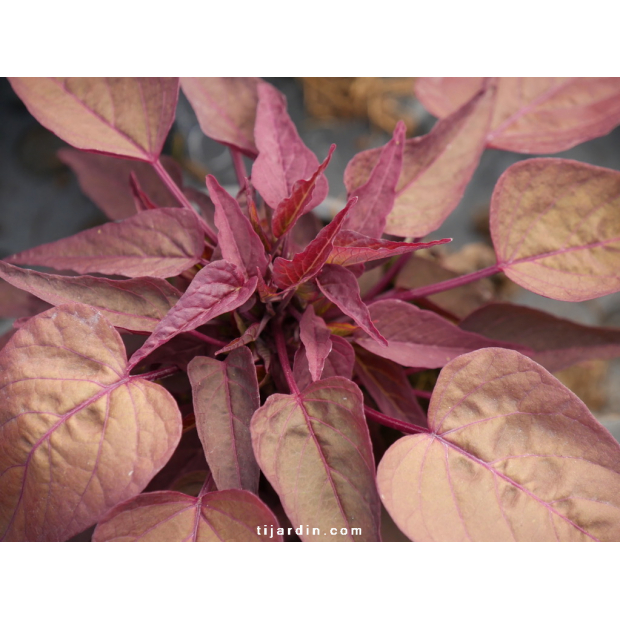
pixel 534 115
pixel 226 108
pixel 339 363
pixel 169 516
pixel 340 286
pixel 315 450
pixel 421 339
pixel 557 343
pixel 283 159
pixel 129 117
pixel 78 435
pixel 240 245
pixel 316 339
pixel 389 386
pixel 436 169
pixel 306 264
pixel 249 335
pixel 556 230
pixel 105 180
pixel 217 288
pixel 137 304
pixel 352 248
pixel 289 211
pixel 161 243
pixel 376 196
pixel 225 397
pixel 511 455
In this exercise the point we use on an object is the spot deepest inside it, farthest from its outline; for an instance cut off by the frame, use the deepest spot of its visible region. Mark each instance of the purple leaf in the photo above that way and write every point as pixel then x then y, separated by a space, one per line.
pixel 352 248
pixel 161 243
pixel 316 339
pixel 283 159
pixel 376 196
pixel 105 180
pixel 127 117
pixel 217 288
pixel 249 335
pixel 289 211
pixel 557 343
pixel 422 339
pixel 238 241
pixel 226 108
pixel 339 363
pixel 137 304
pixel 225 397
pixel 306 264
pixel 389 386
pixel 340 286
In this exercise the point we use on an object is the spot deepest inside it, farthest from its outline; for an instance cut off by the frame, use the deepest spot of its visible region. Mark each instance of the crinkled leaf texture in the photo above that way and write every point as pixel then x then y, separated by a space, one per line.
pixel 511 454
pixel 169 516
pixel 556 230
pixel 557 343
pixel 226 108
pixel 283 159
pixel 533 114
pixel 225 397
pixel 217 288
pixel 137 304
pixel 315 450
pixel 161 243
pixel 128 117
pixel 419 338
pixel 105 180
pixel 435 170
pixel 78 435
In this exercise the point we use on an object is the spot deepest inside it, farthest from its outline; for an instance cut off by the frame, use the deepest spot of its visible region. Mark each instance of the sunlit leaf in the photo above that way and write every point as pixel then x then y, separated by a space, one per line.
pixel 511 455
pixel 78 434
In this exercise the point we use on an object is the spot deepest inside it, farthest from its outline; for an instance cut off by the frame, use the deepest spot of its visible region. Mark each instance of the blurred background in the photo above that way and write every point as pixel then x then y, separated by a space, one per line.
pixel 40 200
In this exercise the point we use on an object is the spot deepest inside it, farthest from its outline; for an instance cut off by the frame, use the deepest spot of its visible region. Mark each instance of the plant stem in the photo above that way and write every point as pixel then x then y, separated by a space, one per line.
pixel 283 357
pixel 389 275
pixel 175 190
pixel 422 393
pixel 446 285
pixel 154 375
pixel 208 339
pixel 399 425
pixel 239 164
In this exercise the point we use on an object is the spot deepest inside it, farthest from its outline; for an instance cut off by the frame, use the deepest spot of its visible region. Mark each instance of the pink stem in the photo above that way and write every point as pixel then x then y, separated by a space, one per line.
pixel 239 165
pixel 446 285
pixel 208 339
pixel 422 393
pixel 399 425
pixel 175 190
pixel 283 356
pixel 154 375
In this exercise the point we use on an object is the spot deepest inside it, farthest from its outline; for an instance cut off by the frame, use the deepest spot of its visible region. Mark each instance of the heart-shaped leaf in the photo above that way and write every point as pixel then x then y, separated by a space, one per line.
pixel 436 168
pixel 419 338
pixel 225 397
pixel 556 230
pixel 533 115
pixel 169 516
pixel 128 117
pixel 511 455
pixel 315 450
pixel 105 180
pixel 78 434
pixel 557 343
pixel 161 243
pixel 226 108
pixel 217 288
pixel 137 304
pixel 283 158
